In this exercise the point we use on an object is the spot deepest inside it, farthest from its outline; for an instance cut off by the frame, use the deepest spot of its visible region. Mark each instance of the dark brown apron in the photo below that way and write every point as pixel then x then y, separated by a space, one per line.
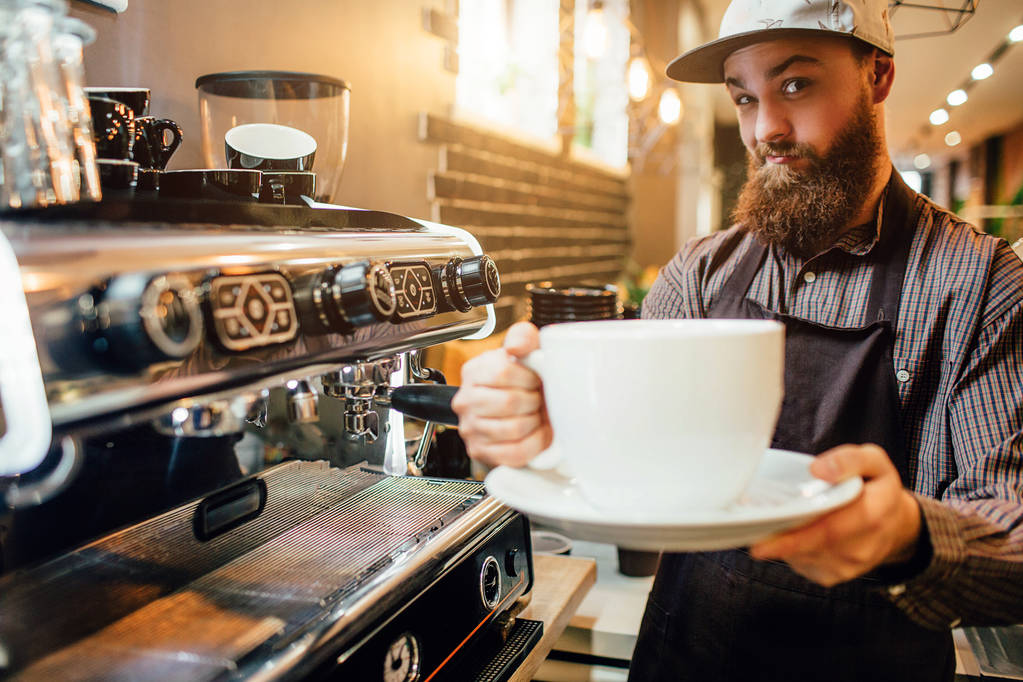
pixel 725 616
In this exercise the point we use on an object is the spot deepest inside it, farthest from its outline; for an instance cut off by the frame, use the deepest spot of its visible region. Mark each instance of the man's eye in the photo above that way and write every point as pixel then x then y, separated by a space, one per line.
pixel 742 100
pixel 794 85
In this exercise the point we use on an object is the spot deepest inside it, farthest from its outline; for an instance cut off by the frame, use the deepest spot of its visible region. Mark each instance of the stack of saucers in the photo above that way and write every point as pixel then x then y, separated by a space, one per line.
pixel 549 304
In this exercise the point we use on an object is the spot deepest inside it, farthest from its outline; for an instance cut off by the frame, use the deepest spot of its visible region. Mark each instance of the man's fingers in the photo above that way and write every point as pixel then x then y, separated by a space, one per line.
pixel 503 429
pixel 514 453
pixel 814 536
pixel 483 401
pixel 496 368
pixel 846 461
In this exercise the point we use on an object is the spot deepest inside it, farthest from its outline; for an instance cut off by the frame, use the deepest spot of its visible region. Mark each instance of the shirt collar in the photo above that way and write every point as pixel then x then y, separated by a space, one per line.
pixel 861 239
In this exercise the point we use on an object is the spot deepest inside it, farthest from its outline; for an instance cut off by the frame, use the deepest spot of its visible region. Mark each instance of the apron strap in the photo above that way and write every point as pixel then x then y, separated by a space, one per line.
pixel 891 252
pixel 742 277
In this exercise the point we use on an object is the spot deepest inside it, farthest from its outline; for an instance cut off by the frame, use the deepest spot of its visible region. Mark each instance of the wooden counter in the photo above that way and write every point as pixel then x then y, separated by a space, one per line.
pixel 560 583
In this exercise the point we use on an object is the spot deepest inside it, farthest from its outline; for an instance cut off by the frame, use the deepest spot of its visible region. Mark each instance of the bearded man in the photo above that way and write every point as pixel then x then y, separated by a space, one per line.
pixel 903 365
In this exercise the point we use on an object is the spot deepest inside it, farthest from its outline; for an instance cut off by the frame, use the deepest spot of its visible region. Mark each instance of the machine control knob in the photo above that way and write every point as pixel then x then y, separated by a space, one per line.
pixel 512 560
pixel 133 322
pixel 471 282
pixel 365 293
pixel 342 298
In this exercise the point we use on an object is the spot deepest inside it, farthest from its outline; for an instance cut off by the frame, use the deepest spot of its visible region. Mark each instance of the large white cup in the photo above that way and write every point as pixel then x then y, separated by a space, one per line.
pixel 654 417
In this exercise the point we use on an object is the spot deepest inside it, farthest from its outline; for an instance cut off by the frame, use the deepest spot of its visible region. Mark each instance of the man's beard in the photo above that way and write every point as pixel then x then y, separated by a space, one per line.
pixel 805 211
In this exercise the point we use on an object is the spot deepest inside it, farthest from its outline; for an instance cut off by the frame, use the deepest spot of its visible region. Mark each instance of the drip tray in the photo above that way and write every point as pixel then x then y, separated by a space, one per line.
pixel 324 538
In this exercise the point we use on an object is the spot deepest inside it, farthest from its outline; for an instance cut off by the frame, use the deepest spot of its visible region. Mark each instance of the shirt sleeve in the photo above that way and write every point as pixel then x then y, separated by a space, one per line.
pixel 975 573
pixel 680 288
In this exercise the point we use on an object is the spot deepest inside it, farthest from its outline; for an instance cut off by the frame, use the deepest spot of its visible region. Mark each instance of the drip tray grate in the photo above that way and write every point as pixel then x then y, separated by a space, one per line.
pixel 270 588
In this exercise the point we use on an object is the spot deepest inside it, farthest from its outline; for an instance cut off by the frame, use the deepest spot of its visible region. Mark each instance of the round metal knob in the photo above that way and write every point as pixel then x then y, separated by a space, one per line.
pixel 471 282
pixel 364 293
pixel 339 299
pixel 133 322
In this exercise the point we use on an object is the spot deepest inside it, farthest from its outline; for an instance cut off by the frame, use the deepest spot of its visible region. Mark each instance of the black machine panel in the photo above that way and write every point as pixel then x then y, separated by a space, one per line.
pixel 447 631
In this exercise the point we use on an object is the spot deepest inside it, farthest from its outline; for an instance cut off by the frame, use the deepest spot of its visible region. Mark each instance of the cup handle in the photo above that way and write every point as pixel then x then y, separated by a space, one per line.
pixel 550 458
pixel 164 150
pixel 534 361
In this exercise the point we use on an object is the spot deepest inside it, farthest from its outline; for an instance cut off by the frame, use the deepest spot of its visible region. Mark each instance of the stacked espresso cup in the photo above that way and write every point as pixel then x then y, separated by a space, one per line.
pixel 550 304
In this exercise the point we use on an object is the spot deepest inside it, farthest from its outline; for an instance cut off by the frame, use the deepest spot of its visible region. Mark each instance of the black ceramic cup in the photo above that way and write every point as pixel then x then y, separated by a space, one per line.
pixel 137 99
pixel 113 128
pixel 117 177
pixel 286 187
pixel 217 184
pixel 156 139
pixel 148 180
pixel 268 146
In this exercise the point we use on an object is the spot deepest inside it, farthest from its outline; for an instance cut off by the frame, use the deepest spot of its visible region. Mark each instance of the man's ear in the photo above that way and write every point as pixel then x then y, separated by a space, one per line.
pixel 882 75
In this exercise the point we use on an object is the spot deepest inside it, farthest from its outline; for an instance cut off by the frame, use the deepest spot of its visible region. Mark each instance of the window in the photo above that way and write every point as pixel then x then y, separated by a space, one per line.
pixel 508 64
pixel 601 97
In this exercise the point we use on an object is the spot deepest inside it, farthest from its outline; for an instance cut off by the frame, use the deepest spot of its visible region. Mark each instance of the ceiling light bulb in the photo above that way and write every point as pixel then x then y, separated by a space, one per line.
pixel 939 117
pixel 957 97
pixel 982 71
pixel 953 138
pixel 639 79
pixel 1016 34
pixel 670 107
pixel 922 161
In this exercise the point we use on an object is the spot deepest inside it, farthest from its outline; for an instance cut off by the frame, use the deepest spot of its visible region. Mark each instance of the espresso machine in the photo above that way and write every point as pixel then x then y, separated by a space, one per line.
pixel 202 471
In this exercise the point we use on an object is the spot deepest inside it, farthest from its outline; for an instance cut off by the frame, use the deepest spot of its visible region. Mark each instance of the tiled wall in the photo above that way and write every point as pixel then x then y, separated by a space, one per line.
pixel 539 215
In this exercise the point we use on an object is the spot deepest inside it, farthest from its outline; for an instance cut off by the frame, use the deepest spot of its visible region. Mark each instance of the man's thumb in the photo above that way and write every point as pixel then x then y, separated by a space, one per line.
pixel 522 339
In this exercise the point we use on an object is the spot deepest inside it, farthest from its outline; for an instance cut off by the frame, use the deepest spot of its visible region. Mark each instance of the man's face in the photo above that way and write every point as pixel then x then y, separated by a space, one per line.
pixel 806 114
pixel 787 92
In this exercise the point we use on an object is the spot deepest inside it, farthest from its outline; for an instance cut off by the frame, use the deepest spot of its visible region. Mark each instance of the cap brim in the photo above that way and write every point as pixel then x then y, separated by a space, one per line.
pixel 705 64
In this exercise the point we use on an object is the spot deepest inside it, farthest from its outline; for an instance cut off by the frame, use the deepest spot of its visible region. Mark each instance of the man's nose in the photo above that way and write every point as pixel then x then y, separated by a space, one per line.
pixel 772 122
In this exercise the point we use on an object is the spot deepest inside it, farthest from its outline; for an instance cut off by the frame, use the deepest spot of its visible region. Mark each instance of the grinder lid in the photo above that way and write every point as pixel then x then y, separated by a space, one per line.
pixel 275 84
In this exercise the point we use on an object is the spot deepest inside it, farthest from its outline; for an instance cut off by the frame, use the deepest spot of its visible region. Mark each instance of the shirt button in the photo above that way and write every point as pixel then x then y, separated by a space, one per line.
pixel 809 278
pixel 902 375
pixel 896 590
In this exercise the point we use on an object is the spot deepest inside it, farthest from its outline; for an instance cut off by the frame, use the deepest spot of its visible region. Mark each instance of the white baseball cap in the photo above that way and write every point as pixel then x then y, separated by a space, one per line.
pixel 751 21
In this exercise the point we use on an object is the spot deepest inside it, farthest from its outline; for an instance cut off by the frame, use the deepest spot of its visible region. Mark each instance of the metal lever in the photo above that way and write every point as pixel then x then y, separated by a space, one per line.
pixel 428 402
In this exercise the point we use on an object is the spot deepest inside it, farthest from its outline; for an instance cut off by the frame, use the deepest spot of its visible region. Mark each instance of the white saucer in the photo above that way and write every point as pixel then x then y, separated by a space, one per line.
pixel 783 494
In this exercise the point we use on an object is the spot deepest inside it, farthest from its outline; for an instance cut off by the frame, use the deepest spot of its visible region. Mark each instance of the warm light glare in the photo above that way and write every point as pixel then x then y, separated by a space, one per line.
pixel 595 34
pixel 670 107
pixel 953 138
pixel 1016 34
pixel 913 179
pixel 982 71
pixel 956 97
pixel 639 79
pixel 939 117
pixel 922 161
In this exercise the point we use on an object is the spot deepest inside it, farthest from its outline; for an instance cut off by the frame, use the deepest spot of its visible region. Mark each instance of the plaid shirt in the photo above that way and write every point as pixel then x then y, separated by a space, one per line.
pixel 958 359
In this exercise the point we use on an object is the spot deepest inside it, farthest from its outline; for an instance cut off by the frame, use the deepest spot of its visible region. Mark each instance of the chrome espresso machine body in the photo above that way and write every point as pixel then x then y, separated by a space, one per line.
pixel 201 471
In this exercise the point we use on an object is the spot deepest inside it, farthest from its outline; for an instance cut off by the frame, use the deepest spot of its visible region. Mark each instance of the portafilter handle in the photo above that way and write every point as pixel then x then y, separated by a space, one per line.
pixel 428 402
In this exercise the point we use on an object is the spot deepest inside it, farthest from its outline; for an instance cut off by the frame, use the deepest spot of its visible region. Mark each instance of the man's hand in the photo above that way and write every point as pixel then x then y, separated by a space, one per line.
pixel 500 408
pixel 881 526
